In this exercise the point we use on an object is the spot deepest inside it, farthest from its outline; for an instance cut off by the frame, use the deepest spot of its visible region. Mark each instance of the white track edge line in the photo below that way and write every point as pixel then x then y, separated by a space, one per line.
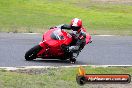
pixel 104 35
pixel 30 67
pixel 40 33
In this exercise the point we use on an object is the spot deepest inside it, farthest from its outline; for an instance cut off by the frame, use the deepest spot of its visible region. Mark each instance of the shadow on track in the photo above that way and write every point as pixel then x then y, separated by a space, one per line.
pixel 57 61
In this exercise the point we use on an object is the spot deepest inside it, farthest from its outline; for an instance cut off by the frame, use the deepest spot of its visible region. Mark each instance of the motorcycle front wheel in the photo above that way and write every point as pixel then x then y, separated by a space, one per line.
pixel 32 53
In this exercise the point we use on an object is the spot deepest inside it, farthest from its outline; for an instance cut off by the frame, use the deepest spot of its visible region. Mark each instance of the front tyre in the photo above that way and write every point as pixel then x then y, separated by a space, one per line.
pixel 32 53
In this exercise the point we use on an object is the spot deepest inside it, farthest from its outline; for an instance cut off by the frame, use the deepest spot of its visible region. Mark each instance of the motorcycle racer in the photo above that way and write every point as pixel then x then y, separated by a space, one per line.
pixel 78 35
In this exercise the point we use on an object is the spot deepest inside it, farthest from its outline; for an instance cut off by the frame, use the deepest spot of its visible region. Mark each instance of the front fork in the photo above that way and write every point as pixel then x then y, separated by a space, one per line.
pixel 42 44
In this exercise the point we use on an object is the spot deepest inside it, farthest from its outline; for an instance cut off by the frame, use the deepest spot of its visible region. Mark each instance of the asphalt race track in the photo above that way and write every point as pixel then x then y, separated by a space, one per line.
pixel 105 50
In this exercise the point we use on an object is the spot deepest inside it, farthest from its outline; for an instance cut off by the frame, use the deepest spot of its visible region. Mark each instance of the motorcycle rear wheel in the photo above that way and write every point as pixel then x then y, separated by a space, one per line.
pixel 32 53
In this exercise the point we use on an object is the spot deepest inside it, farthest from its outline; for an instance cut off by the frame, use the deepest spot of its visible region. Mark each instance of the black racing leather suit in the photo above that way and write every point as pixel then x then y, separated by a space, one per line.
pixel 79 39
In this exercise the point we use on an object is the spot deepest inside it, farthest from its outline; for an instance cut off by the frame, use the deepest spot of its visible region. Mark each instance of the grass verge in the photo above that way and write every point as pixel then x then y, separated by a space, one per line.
pixel 39 15
pixel 52 77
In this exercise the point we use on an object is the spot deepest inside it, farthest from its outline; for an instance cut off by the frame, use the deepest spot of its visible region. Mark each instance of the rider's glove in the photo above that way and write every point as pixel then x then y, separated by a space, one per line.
pixel 52 27
pixel 59 26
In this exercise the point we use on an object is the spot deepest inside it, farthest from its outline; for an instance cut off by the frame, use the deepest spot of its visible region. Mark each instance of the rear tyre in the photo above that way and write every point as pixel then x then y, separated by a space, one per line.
pixel 32 53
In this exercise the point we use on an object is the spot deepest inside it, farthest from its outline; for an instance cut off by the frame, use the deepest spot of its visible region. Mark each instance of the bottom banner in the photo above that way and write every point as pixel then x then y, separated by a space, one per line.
pixel 83 78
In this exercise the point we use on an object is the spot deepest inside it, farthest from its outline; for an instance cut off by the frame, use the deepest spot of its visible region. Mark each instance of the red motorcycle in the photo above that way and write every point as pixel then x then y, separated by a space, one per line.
pixel 53 46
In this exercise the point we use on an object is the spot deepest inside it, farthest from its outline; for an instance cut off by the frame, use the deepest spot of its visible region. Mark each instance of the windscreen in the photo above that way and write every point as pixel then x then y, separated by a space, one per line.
pixel 57 35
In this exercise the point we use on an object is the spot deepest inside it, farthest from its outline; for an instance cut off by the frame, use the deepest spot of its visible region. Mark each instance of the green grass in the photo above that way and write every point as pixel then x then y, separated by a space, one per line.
pixel 39 15
pixel 53 77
